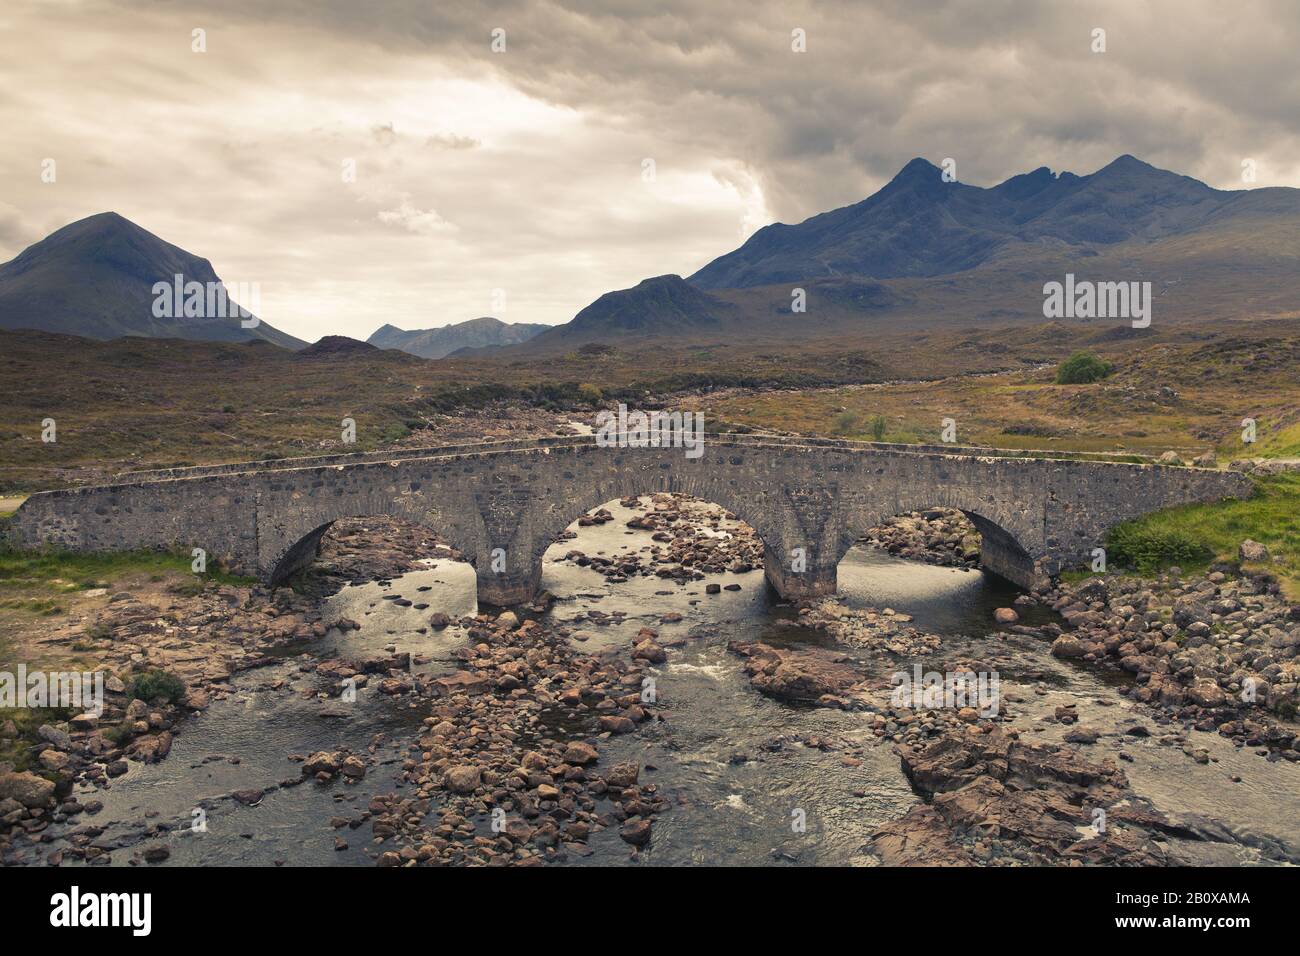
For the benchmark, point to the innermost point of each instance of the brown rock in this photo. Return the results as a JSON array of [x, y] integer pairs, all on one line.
[[27, 788], [636, 832], [580, 754], [463, 779]]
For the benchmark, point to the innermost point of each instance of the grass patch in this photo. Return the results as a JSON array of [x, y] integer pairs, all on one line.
[[1194, 536], [62, 572]]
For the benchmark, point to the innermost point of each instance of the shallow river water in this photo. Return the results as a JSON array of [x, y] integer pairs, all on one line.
[[732, 763]]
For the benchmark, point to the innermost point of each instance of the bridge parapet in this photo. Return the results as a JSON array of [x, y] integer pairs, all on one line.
[[503, 503]]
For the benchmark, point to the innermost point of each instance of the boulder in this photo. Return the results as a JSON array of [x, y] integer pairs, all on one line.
[[463, 779], [323, 761], [1252, 551], [1068, 646], [580, 754], [636, 832], [1206, 693], [27, 788]]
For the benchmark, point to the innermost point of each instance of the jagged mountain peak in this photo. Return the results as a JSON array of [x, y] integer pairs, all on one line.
[[919, 225]]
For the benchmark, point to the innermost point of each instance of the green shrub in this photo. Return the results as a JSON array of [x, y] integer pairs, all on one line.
[[1082, 368], [155, 684], [99, 632], [878, 428], [1149, 549]]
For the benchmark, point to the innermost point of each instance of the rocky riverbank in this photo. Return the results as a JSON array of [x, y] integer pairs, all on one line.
[[994, 800], [168, 651], [1216, 652]]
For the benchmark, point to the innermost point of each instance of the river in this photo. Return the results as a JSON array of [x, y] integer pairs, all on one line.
[[740, 770]]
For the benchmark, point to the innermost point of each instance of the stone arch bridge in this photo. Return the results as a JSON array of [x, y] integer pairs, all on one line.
[[1036, 515]]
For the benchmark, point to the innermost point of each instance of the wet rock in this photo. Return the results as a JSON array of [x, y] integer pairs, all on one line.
[[797, 674], [461, 682], [623, 775], [323, 761], [921, 837], [1068, 646], [648, 650], [1027, 803], [150, 748], [635, 832]]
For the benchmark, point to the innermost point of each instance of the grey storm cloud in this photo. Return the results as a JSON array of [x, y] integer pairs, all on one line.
[[481, 170]]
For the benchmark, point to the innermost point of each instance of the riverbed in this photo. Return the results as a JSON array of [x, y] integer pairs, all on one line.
[[748, 779]]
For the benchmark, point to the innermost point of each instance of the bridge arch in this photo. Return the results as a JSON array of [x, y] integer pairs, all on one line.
[[295, 544], [620, 486], [552, 517], [1010, 535]]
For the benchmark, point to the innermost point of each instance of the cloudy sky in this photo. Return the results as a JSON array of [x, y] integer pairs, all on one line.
[[525, 169]]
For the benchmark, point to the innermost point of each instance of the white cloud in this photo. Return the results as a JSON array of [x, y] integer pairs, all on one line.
[[423, 222]]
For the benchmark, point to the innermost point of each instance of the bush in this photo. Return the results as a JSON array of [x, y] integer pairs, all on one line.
[[1148, 549], [156, 684], [1082, 368], [878, 428]]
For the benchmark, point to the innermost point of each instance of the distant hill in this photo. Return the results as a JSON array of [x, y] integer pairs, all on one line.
[[664, 305], [95, 278], [478, 333], [337, 345]]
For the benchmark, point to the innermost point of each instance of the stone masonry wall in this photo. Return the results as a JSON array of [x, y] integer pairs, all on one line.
[[503, 504]]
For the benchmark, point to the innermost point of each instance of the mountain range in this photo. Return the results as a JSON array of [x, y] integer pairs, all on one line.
[[921, 252], [928, 252], [484, 332], [921, 225]]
